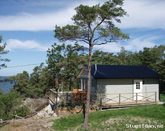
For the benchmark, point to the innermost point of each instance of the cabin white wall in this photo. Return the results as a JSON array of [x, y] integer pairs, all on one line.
[[111, 88], [150, 86]]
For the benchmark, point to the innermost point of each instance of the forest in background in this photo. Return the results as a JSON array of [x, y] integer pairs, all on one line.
[[64, 63]]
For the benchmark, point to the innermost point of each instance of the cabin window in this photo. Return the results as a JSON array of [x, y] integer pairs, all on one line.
[[137, 85]]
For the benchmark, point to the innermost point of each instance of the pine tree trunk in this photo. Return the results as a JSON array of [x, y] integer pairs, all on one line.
[[87, 106]]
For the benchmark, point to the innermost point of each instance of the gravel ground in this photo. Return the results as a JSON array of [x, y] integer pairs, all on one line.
[[29, 124]]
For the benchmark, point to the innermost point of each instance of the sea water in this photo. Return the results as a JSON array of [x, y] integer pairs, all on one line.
[[6, 84]]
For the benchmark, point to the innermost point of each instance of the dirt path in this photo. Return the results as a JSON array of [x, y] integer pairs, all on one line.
[[30, 124]]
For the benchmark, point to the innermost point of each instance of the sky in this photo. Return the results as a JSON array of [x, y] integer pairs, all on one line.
[[27, 28]]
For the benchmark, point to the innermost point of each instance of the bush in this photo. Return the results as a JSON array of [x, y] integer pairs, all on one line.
[[10, 104], [22, 111]]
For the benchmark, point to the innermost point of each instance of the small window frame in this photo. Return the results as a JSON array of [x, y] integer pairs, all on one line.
[[137, 85]]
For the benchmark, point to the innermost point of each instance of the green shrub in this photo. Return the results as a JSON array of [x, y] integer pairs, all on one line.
[[22, 111], [9, 104]]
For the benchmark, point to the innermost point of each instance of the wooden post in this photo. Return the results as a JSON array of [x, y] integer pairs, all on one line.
[[81, 84], [155, 97], [67, 99], [119, 98], [71, 99], [136, 97], [100, 103], [57, 89], [51, 96]]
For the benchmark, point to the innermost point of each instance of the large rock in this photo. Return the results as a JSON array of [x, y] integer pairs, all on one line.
[[35, 104], [46, 112]]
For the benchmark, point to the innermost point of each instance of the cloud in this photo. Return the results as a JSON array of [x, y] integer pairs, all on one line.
[[41, 21], [144, 14], [35, 22], [138, 44], [28, 44], [110, 47], [135, 44]]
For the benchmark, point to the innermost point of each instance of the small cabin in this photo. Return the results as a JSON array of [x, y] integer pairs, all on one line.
[[122, 84]]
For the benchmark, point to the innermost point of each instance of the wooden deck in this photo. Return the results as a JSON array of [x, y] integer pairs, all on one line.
[[127, 100], [126, 104], [106, 100]]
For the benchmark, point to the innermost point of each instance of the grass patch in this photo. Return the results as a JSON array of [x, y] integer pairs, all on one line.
[[162, 97], [149, 113], [122, 123], [69, 122]]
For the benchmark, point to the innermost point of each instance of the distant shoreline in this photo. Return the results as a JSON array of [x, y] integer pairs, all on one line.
[[6, 84]]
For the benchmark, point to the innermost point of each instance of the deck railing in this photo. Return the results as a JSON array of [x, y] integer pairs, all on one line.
[[100, 99], [127, 98], [67, 98]]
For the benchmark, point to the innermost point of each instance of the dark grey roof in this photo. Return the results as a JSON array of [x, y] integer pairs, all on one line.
[[122, 71]]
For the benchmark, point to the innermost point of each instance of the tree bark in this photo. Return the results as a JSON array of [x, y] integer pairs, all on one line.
[[87, 106]]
